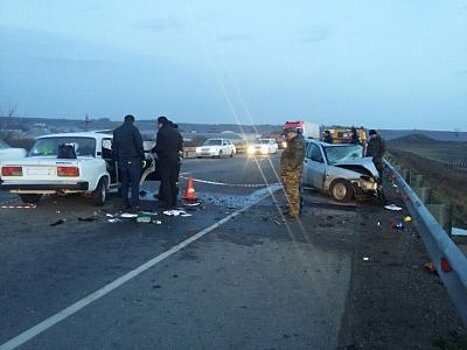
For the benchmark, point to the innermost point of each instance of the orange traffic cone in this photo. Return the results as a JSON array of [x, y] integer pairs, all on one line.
[[190, 194]]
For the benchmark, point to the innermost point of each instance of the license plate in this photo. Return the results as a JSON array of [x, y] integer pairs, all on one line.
[[41, 171]]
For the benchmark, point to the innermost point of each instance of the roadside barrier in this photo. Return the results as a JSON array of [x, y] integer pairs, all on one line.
[[449, 261]]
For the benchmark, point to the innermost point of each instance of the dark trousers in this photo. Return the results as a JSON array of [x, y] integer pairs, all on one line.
[[169, 173], [130, 172], [161, 192]]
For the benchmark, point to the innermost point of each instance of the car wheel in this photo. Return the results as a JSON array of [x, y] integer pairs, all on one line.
[[100, 194], [30, 198], [341, 191]]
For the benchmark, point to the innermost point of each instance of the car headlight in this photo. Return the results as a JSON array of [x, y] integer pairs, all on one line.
[[198, 149], [251, 150]]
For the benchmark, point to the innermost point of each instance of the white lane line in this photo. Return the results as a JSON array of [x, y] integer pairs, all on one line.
[[74, 308]]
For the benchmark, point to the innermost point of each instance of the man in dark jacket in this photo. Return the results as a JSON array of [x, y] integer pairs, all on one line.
[[354, 138], [167, 149], [127, 149], [291, 167], [376, 149], [327, 137]]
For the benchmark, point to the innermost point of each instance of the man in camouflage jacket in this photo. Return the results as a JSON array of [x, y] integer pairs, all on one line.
[[291, 167]]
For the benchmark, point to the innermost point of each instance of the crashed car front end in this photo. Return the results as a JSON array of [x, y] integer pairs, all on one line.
[[361, 173]]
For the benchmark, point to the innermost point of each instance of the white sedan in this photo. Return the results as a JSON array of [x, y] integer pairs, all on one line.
[[67, 163], [10, 153], [263, 146], [216, 148]]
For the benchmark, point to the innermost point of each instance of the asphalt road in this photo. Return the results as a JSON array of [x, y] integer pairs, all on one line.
[[234, 275]]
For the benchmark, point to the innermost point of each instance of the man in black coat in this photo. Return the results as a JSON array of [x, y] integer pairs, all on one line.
[[167, 149], [376, 149], [128, 151]]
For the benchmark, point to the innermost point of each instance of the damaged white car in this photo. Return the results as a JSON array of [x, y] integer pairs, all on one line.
[[340, 170], [65, 164]]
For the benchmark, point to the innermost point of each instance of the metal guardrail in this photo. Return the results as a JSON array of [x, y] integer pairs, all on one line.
[[449, 261]]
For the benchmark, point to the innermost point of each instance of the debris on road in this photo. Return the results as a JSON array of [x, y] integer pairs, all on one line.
[[58, 222], [392, 207], [456, 231], [430, 267], [365, 258], [114, 220], [149, 213], [176, 212], [88, 219], [128, 215], [408, 219], [143, 219]]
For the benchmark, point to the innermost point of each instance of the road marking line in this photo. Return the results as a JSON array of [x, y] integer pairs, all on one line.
[[77, 306]]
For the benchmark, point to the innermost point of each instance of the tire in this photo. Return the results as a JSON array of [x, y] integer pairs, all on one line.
[[341, 191], [30, 198], [100, 194]]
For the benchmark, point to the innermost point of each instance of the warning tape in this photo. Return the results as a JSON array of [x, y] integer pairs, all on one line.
[[227, 184], [24, 206], [12, 204]]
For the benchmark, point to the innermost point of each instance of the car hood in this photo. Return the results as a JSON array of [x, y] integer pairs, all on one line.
[[355, 164]]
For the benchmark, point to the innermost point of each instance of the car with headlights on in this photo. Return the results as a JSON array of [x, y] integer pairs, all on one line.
[[65, 164], [263, 147], [340, 170], [216, 148]]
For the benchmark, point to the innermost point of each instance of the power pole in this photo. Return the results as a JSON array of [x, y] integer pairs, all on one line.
[[87, 121]]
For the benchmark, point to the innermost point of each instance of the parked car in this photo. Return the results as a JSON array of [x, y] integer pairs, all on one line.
[[10, 153], [263, 146], [340, 170], [216, 148], [88, 169]]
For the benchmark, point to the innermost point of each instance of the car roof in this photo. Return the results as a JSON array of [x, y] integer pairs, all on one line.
[[88, 134]]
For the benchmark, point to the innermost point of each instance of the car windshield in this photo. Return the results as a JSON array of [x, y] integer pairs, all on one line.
[[263, 142], [337, 154], [84, 146], [212, 143], [3, 144]]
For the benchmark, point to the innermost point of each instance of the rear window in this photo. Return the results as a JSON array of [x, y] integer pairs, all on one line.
[[84, 146], [212, 143]]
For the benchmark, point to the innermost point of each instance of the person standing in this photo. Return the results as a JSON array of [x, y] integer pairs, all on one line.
[[180, 155], [327, 137], [167, 150], [354, 139], [128, 151], [291, 167], [376, 149]]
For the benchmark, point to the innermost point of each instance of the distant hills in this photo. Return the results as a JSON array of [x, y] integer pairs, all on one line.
[[431, 134], [39, 126]]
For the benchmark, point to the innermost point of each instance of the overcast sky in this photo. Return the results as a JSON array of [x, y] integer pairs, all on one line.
[[384, 64]]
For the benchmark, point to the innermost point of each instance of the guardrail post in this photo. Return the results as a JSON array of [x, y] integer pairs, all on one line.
[[406, 175], [425, 194], [417, 180], [443, 214]]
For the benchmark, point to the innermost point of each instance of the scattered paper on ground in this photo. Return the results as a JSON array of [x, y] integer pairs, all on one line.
[[392, 207]]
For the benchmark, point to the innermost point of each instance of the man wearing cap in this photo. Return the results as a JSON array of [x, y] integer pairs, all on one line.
[[128, 151], [167, 149], [376, 149], [291, 167]]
